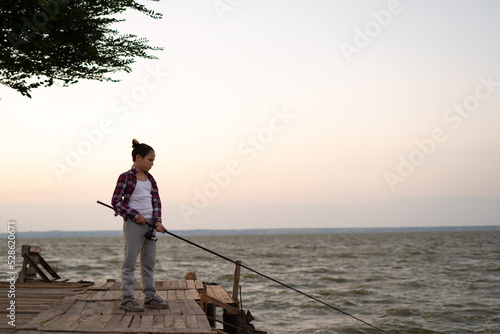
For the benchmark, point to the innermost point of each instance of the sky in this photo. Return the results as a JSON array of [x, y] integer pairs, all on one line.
[[274, 114]]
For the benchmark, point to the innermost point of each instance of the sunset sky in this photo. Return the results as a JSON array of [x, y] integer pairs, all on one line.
[[274, 114]]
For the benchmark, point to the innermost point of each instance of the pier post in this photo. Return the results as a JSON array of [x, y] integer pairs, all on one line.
[[236, 283]]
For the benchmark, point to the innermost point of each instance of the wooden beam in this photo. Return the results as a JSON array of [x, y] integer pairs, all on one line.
[[236, 281], [38, 270], [48, 268], [31, 255], [205, 299]]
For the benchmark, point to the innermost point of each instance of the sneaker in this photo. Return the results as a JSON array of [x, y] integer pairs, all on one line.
[[155, 302], [131, 304]]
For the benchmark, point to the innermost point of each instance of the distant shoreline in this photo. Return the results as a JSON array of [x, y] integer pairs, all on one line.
[[116, 233]]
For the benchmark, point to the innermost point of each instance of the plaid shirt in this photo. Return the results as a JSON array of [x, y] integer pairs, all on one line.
[[125, 187]]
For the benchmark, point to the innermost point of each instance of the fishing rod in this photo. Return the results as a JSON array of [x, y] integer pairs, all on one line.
[[267, 277]]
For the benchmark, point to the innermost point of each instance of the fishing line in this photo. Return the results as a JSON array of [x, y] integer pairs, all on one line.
[[267, 277]]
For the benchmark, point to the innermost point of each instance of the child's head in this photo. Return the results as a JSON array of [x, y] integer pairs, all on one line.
[[140, 149], [143, 156]]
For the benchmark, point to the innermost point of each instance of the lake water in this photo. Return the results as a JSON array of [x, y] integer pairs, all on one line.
[[436, 282]]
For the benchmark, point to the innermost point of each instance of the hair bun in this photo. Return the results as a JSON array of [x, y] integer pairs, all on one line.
[[140, 149]]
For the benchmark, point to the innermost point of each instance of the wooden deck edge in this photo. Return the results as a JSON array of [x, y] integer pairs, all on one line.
[[76, 330]]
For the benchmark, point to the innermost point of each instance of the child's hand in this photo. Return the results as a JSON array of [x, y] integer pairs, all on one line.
[[160, 228], [141, 220]]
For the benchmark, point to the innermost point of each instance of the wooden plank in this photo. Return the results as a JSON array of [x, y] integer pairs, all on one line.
[[192, 294], [37, 269], [99, 306], [108, 307], [74, 280], [236, 280], [230, 309], [61, 320], [89, 326], [218, 292], [117, 294], [34, 249], [158, 321], [146, 321], [203, 322], [53, 284], [153, 311], [81, 296], [180, 294], [214, 292], [55, 311], [180, 321], [136, 321], [171, 295], [163, 288], [199, 285], [174, 306], [195, 307], [77, 307], [191, 321], [80, 322], [114, 321], [91, 323], [21, 319], [109, 295], [90, 295], [116, 307], [129, 330], [168, 321], [61, 280], [49, 268], [99, 286], [89, 308], [224, 295], [99, 294], [103, 321], [211, 291], [185, 308], [116, 286], [125, 321]]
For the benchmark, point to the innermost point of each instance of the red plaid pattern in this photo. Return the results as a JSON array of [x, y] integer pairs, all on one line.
[[125, 187]]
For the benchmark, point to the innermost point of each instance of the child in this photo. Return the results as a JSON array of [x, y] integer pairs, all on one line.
[[137, 200]]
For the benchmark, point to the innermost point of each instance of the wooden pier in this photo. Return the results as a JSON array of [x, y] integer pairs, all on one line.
[[97, 310], [82, 307], [58, 306]]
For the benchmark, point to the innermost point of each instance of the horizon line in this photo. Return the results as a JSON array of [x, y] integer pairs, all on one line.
[[257, 231]]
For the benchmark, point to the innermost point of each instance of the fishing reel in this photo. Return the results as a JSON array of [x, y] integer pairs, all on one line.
[[150, 234]]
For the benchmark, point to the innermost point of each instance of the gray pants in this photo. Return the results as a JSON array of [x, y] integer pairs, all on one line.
[[136, 243]]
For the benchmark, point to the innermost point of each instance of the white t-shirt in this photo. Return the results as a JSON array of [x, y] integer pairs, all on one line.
[[140, 199]]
